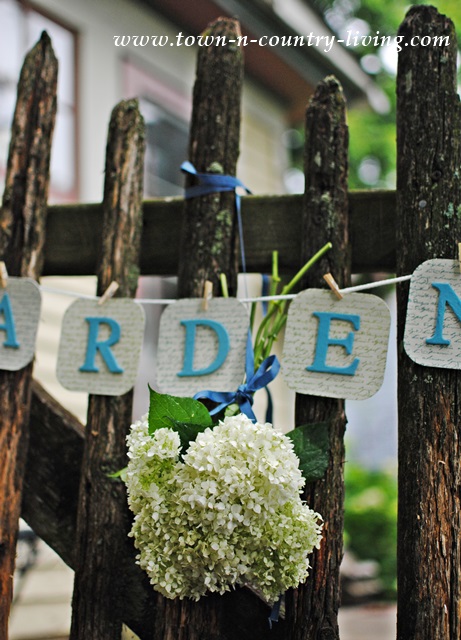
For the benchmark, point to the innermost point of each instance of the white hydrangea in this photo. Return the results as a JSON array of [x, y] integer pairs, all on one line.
[[230, 513]]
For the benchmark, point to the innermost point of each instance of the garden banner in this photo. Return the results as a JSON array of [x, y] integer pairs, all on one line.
[[334, 348]]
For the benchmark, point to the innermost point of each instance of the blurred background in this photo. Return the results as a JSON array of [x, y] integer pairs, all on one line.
[[94, 75]]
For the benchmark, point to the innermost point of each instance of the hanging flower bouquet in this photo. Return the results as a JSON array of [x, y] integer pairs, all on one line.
[[228, 512], [218, 504]]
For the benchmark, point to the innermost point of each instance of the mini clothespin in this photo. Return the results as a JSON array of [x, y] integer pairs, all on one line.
[[331, 282], [3, 275], [207, 294], [109, 292]]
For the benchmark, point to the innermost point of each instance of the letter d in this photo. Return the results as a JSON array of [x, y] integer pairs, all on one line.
[[223, 347]]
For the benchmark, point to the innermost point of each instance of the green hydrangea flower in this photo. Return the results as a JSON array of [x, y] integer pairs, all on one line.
[[229, 514]]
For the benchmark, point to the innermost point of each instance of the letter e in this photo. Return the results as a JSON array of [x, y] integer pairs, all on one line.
[[324, 341]]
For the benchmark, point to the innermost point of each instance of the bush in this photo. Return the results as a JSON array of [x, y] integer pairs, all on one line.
[[371, 521]]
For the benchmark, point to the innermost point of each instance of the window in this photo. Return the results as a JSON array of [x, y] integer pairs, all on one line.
[[166, 149], [20, 28], [166, 114]]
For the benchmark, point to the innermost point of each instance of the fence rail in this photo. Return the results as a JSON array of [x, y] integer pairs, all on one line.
[[73, 234]]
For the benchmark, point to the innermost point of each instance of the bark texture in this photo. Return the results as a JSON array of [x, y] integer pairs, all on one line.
[[428, 226], [312, 609], [103, 523], [22, 235], [209, 232], [208, 248]]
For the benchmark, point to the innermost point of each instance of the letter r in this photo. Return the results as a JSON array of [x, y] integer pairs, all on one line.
[[223, 347], [324, 341], [103, 346]]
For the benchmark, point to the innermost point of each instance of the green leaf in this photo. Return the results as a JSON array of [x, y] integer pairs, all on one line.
[[187, 432], [119, 474], [164, 410], [312, 446]]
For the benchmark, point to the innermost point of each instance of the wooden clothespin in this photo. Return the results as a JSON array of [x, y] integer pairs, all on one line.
[[207, 294], [3, 275], [109, 292], [331, 282]]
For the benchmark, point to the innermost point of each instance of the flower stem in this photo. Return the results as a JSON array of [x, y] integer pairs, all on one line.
[[276, 317]]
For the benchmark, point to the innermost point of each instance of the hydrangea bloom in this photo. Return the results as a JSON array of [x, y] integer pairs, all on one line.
[[229, 513]]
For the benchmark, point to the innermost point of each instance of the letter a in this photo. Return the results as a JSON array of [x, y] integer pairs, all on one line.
[[5, 308], [223, 347], [103, 346], [324, 341], [446, 296]]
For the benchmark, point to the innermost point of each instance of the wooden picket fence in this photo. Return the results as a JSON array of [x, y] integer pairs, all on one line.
[[66, 494]]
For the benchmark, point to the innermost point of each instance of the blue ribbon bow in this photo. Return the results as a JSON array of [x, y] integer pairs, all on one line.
[[214, 183], [266, 372]]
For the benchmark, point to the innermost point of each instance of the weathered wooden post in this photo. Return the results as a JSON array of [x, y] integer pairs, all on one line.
[[22, 236], [429, 226], [209, 234], [312, 609], [208, 247], [102, 520]]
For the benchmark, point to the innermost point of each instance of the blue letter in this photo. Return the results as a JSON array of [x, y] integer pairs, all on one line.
[[223, 347], [446, 296], [324, 341], [5, 308], [102, 346]]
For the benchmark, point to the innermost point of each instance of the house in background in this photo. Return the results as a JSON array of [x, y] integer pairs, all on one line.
[[95, 74]]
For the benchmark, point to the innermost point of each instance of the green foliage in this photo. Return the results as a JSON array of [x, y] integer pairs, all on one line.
[[371, 520], [166, 411], [189, 417], [372, 135], [312, 446]]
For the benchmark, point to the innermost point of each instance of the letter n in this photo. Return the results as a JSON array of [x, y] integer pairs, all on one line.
[[189, 350], [102, 346], [446, 296]]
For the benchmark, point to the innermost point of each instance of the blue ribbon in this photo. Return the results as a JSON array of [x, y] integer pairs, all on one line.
[[244, 394], [216, 183], [275, 612]]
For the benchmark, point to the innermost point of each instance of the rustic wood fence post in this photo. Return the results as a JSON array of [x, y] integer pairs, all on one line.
[[312, 609], [102, 520], [22, 235], [429, 226], [209, 234], [208, 247]]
